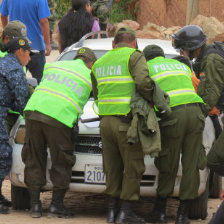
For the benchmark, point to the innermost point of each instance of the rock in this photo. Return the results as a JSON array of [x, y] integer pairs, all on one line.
[[210, 25], [171, 30]]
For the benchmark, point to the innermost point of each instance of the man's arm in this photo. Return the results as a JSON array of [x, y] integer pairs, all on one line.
[[94, 86], [212, 84], [18, 83], [44, 25], [4, 20], [140, 73]]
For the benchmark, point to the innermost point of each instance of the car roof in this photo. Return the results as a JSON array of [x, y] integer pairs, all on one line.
[[105, 44]]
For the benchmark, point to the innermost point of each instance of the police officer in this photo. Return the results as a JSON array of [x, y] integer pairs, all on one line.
[[181, 135], [210, 65], [13, 95], [51, 113], [114, 78], [13, 29]]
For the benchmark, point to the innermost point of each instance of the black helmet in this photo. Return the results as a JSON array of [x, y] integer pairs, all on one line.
[[189, 37]]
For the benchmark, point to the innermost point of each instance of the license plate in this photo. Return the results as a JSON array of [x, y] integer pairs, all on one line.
[[94, 174]]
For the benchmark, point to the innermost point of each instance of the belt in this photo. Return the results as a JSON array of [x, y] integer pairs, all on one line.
[[125, 118], [185, 105]]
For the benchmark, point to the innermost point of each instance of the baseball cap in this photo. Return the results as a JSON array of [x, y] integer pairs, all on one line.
[[152, 50], [17, 43], [16, 29], [86, 53], [125, 29]]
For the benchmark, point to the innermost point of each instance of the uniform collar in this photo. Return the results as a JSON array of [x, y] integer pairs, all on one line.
[[122, 45]]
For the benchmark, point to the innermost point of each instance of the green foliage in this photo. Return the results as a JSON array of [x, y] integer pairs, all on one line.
[[119, 11], [62, 7]]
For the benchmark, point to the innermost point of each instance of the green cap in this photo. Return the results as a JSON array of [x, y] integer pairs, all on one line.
[[86, 53], [153, 50], [125, 29], [16, 29]]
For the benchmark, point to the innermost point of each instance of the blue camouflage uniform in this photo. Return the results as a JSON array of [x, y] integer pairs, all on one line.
[[13, 95]]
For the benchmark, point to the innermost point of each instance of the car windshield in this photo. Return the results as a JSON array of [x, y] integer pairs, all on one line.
[[71, 54], [99, 53]]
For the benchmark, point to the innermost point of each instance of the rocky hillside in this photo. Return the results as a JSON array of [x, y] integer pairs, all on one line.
[[169, 13]]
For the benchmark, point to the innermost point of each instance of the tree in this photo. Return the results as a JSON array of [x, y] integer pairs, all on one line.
[[192, 10]]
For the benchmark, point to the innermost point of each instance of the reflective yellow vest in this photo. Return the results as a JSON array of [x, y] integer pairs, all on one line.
[[63, 91], [174, 78], [114, 82]]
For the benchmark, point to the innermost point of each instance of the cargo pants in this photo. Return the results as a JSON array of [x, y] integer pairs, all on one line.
[[5, 147], [39, 136], [123, 163], [216, 156], [181, 135]]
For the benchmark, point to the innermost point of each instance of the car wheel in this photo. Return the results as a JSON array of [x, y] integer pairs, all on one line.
[[199, 205], [20, 198], [215, 186]]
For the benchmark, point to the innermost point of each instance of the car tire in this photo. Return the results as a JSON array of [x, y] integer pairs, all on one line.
[[20, 198], [199, 205], [215, 187]]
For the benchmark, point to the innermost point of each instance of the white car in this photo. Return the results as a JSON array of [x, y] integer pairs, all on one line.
[[87, 173]]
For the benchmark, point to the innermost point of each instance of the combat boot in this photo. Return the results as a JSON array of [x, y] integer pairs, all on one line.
[[35, 204], [127, 216], [5, 201], [112, 209], [57, 208], [158, 215], [182, 212]]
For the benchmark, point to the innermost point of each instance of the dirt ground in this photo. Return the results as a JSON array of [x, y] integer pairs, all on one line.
[[89, 209]]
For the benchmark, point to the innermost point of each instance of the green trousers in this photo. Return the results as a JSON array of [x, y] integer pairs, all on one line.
[[123, 163], [216, 156], [39, 136], [181, 135]]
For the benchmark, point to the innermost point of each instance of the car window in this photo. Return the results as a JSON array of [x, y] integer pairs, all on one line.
[[71, 54]]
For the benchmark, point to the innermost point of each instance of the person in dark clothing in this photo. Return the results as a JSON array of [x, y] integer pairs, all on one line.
[[13, 95], [76, 23]]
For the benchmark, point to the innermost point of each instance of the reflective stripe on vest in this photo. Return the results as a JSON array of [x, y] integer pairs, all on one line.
[[63, 91], [114, 82], [174, 78], [71, 72], [50, 91]]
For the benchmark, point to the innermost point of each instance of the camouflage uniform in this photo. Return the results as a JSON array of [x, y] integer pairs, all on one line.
[[13, 95], [101, 11]]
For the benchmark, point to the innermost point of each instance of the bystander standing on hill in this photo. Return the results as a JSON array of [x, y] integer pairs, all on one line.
[[76, 23]]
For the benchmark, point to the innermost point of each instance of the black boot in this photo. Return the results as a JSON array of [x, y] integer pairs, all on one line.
[[158, 215], [36, 208], [112, 209], [127, 216], [182, 213], [5, 201], [57, 208]]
